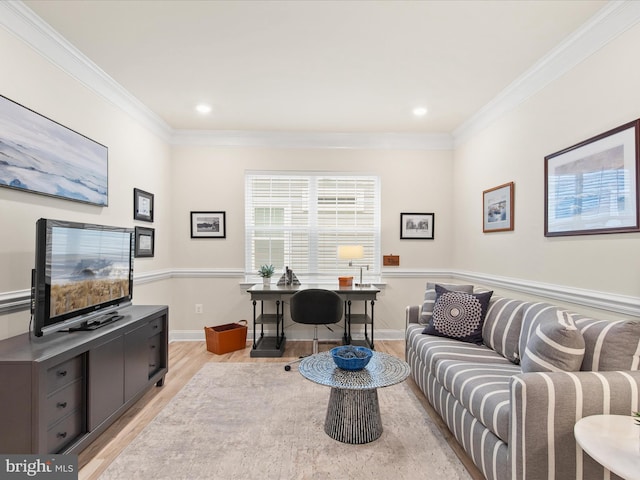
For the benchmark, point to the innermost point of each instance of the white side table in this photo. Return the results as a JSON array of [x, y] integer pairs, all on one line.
[[613, 441]]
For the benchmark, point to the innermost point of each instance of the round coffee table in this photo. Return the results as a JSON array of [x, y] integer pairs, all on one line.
[[353, 413], [612, 441]]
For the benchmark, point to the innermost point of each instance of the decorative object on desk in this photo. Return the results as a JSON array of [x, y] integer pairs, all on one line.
[[208, 225], [592, 187], [266, 271], [345, 281], [142, 205], [417, 226], [145, 242], [351, 252], [226, 338], [497, 208], [42, 156], [636, 417], [288, 278], [350, 357]]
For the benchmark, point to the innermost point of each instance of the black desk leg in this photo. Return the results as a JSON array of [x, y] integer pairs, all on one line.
[[278, 316], [254, 325], [371, 343]]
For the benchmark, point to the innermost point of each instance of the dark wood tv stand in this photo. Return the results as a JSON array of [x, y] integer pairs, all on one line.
[[62, 390]]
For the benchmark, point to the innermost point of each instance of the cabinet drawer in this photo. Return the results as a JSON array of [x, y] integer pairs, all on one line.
[[154, 327], [155, 354], [63, 374], [64, 401], [64, 432]]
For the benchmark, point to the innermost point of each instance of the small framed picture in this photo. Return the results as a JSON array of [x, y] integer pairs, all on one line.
[[208, 225], [145, 242], [142, 205], [497, 208], [416, 226]]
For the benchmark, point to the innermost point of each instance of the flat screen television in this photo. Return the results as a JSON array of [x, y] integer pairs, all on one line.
[[83, 274]]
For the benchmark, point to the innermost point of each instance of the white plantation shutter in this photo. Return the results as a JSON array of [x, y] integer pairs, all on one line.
[[297, 220]]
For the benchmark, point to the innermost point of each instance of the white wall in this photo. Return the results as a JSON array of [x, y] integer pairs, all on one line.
[[597, 95], [209, 178], [136, 159]]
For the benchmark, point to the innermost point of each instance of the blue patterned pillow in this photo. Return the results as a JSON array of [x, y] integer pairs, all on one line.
[[458, 315]]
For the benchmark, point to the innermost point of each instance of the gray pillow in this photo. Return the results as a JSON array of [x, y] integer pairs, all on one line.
[[430, 298], [554, 346]]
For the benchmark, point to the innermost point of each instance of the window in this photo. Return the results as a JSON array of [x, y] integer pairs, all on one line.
[[299, 219]]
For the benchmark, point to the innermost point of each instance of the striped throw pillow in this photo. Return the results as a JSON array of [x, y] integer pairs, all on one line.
[[430, 298], [554, 346]]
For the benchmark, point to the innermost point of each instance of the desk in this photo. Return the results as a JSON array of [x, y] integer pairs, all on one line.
[[612, 441], [273, 345]]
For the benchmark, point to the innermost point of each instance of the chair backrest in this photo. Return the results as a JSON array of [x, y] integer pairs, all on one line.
[[316, 306]]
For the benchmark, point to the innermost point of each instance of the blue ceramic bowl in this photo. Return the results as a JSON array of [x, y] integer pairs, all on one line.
[[350, 357]]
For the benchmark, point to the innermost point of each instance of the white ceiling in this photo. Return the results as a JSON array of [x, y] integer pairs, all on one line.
[[315, 66]]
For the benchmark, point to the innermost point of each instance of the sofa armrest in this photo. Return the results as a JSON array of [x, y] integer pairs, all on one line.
[[545, 406], [412, 314]]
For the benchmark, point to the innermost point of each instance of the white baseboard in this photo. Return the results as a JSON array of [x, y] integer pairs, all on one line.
[[198, 335]]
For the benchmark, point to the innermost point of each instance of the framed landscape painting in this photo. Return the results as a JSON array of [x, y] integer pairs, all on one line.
[[208, 225], [592, 187], [42, 156]]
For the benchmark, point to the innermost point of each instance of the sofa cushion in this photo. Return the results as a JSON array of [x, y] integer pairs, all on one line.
[[483, 389], [431, 349], [610, 345], [554, 346], [502, 325], [430, 298], [458, 315]]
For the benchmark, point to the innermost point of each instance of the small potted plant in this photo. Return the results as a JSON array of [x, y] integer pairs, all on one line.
[[266, 271]]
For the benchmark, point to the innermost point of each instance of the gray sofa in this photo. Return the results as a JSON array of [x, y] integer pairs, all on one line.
[[516, 425]]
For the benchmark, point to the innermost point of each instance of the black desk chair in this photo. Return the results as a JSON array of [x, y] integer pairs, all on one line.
[[315, 306]]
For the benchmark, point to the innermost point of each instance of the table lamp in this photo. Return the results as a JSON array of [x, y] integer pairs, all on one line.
[[351, 252]]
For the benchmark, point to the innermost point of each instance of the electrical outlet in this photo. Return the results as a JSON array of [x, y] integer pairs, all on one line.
[[198, 308]]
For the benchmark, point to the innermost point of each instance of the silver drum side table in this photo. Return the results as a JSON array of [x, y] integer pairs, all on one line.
[[353, 413]]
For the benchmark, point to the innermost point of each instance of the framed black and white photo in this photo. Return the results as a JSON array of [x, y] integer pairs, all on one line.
[[145, 242], [208, 225], [142, 205], [42, 156], [592, 187], [416, 226], [497, 208]]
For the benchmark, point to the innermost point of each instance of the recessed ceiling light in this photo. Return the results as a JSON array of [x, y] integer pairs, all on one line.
[[203, 109], [420, 111]]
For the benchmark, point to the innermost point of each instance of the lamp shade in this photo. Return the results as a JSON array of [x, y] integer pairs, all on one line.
[[349, 252]]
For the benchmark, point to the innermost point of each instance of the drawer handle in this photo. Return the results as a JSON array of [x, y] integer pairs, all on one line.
[[152, 347], [155, 327], [152, 365], [62, 404], [62, 373], [62, 435]]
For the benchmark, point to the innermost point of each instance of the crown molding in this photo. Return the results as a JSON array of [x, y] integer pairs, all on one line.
[[379, 141], [608, 23], [612, 20], [22, 22]]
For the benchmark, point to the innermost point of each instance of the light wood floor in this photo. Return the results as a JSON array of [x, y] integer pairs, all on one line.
[[185, 359]]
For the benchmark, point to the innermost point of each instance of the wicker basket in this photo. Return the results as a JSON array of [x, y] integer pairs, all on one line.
[[226, 338]]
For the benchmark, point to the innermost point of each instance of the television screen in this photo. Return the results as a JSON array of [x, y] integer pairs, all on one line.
[[80, 269]]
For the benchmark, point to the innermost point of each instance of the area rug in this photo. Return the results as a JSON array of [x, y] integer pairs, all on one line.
[[246, 421]]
